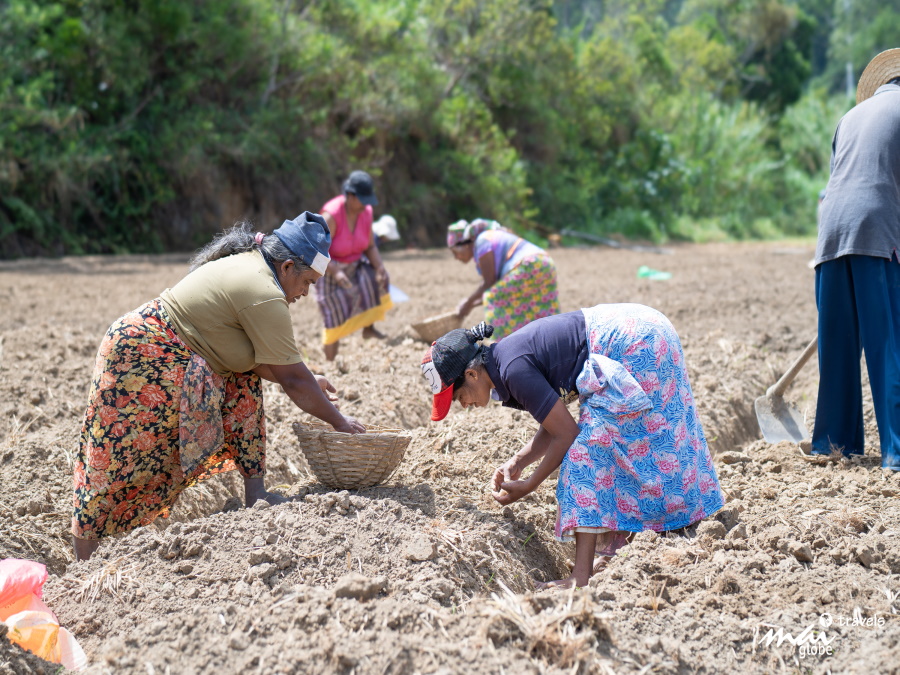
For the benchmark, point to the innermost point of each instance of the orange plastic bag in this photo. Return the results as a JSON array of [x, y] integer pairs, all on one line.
[[31, 624]]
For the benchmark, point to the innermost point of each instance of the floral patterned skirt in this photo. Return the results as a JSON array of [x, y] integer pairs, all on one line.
[[640, 461], [158, 420], [526, 293]]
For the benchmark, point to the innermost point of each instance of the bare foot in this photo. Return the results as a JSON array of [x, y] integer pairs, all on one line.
[[370, 332], [84, 548], [600, 563], [330, 351], [275, 499], [557, 584], [254, 490]]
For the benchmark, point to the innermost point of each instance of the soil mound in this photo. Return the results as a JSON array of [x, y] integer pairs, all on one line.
[[428, 573]]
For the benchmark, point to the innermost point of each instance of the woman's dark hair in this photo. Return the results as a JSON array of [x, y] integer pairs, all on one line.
[[242, 238], [475, 363], [476, 334]]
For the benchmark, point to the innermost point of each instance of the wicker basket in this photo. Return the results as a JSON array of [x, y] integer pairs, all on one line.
[[433, 327], [351, 461]]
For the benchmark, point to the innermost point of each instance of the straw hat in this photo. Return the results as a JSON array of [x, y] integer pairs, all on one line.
[[881, 70]]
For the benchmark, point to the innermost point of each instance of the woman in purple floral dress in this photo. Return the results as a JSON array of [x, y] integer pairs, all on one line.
[[635, 460]]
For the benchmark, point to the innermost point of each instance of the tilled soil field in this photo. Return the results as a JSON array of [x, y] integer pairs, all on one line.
[[427, 574]]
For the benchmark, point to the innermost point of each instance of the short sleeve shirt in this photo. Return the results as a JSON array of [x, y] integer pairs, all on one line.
[[508, 250], [233, 313], [860, 214], [538, 364], [347, 246]]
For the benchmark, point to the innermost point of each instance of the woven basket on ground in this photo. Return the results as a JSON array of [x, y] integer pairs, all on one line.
[[351, 461], [433, 327]]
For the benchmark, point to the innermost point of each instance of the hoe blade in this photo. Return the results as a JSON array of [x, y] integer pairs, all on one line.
[[780, 420]]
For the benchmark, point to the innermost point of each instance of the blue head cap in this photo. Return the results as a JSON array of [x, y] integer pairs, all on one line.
[[307, 236]]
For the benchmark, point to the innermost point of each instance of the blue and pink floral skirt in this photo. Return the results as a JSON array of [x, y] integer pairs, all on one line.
[[640, 461]]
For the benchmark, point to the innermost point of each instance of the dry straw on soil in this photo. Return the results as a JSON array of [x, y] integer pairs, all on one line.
[[564, 634], [111, 578]]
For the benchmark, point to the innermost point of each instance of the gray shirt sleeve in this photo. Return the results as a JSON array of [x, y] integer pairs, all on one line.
[[860, 214]]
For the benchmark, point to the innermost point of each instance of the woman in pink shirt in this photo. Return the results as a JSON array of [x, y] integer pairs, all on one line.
[[353, 294]]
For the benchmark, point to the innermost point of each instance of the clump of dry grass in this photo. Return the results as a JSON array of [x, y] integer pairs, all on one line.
[[476, 553], [18, 429], [31, 534], [204, 499], [656, 595], [893, 598], [111, 578], [562, 634], [672, 556], [836, 455], [856, 520]]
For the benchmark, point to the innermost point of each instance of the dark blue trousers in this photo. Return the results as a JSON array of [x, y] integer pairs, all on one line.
[[858, 298]]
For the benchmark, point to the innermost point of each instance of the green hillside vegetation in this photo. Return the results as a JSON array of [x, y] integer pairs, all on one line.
[[143, 126]]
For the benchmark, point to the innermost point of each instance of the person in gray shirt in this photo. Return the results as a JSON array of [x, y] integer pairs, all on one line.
[[858, 270]]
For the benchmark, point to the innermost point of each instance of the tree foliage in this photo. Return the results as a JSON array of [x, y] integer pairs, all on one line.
[[131, 125]]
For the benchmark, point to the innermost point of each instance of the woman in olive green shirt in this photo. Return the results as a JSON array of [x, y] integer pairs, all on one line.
[[176, 395]]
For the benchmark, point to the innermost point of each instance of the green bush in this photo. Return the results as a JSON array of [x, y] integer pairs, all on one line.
[[146, 126]]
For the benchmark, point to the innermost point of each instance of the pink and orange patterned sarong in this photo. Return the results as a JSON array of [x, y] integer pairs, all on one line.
[[158, 421]]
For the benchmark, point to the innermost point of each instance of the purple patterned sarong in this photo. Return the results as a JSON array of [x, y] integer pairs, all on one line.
[[347, 310]]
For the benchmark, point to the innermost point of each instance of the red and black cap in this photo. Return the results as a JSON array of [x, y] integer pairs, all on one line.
[[445, 362]]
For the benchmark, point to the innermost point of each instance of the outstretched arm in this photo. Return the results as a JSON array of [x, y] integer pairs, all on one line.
[[550, 444], [374, 256], [309, 393], [263, 370], [488, 279]]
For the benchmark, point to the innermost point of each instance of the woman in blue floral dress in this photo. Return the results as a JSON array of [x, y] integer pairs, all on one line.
[[636, 459]]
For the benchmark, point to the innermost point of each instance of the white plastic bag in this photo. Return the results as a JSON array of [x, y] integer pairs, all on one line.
[[397, 296]]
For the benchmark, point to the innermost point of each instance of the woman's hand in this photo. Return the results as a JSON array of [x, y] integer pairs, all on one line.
[[505, 473], [512, 491], [310, 393], [327, 389], [342, 280], [350, 426], [553, 439], [381, 276], [463, 309], [506, 486]]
